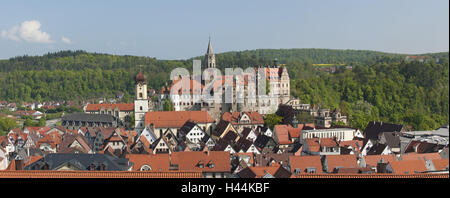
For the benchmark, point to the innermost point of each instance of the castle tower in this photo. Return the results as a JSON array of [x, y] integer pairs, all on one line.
[[210, 58], [285, 86], [141, 102]]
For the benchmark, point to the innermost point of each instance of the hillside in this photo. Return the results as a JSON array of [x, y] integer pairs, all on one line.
[[381, 86]]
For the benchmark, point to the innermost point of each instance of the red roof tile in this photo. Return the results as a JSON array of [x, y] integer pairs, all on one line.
[[441, 164], [345, 161], [121, 107], [158, 162], [99, 174], [176, 119], [420, 156], [303, 162], [194, 160], [408, 166], [372, 160], [234, 117]]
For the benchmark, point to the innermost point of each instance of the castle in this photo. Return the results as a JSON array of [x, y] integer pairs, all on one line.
[[278, 91]]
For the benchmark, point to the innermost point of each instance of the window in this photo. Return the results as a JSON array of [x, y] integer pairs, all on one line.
[[140, 95], [140, 108], [146, 167]]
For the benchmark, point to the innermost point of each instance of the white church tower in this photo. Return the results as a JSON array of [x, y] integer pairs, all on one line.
[[141, 102], [210, 57]]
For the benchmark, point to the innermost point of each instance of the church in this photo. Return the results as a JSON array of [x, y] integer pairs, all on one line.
[[276, 76]]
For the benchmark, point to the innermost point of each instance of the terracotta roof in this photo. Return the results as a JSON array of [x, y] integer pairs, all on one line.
[[355, 170], [212, 161], [99, 174], [234, 117], [121, 107], [260, 171], [420, 156], [282, 134], [440, 164], [343, 161], [356, 144], [53, 138], [408, 166], [328, 142], [303, 162], [176, 119], [179, 87], [372, 160], [157, 162], [30, 129]]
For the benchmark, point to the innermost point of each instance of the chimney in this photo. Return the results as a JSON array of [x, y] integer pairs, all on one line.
[[19, 164]]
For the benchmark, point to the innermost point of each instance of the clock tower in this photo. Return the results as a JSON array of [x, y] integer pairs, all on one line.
[[141, 102]]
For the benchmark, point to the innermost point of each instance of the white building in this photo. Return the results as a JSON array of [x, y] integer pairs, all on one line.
[[341, 134], [141, 102]]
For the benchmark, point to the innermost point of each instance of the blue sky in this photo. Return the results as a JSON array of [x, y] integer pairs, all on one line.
[[176, 29]]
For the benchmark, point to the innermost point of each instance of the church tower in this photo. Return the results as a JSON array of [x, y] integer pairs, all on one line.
[[285, 85], [141, 102], [210, 58]]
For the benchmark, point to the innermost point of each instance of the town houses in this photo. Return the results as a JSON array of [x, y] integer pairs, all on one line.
[[219, 140]]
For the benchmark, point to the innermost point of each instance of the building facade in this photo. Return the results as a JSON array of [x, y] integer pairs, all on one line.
[[187, 100], [141, 104]]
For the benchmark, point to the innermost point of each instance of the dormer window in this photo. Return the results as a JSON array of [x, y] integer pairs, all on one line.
[[311, 170], [200, 164]]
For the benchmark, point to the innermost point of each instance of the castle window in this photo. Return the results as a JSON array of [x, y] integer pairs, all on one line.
[[140, 95]]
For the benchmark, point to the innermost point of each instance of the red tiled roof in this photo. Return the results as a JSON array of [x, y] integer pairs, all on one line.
[[176, 119], [313, 144], [440, 164], [260, 171], [303, 162], [328, 142], [157, 162], [345, 161], [404, 176], [121, 107], [53, 138], [190, 160], [234, 117], [420, 156], [99, 174], [408, 166], [282, 134], [372, 160], [351, 143]]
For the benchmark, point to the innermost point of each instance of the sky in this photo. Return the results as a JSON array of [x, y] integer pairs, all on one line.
[[179, 29]]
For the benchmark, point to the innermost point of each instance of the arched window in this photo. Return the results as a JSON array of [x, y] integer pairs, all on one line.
[[146, 167]]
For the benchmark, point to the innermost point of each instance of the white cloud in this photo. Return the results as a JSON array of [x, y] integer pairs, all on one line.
[[66, 40], [11, 33], [29, 31]]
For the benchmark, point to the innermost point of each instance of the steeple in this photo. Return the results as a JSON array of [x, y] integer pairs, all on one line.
[[210, 58], [209, 50]]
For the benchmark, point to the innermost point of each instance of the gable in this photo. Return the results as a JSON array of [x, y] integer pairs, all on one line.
[[76, 144]]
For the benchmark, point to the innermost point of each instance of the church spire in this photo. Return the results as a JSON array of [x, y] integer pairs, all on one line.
[[209, 50], [210, 58]]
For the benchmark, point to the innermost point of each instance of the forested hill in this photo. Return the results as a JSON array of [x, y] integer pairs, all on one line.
[[380, 86], [313, 56]]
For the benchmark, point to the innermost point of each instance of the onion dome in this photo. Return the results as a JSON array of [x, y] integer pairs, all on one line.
[[140, 77]]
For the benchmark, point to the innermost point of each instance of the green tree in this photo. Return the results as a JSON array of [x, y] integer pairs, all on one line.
[[271, 120], [6, 124], [167, 106]]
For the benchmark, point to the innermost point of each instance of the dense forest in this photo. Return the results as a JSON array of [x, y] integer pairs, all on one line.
[[380, 86]]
